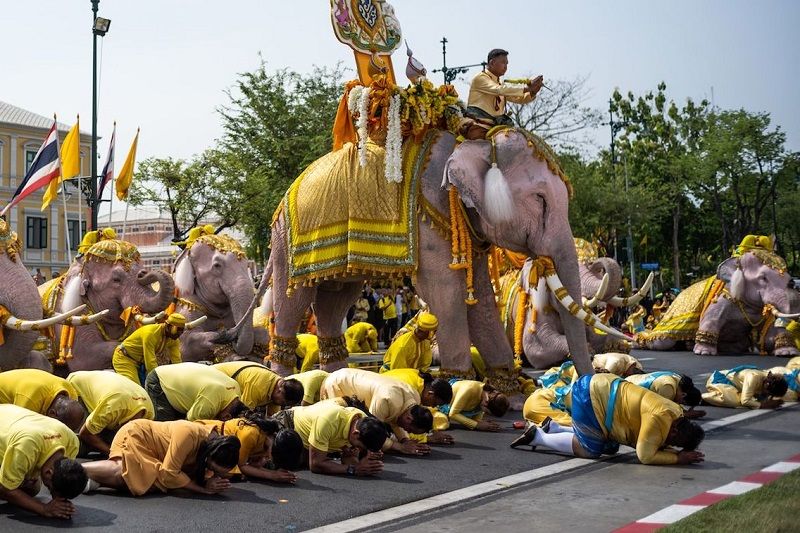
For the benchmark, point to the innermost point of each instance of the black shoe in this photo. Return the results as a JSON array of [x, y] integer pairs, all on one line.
[[545, 425], [525, 438]]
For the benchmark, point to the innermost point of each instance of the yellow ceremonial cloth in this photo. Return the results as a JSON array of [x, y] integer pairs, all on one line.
[[110, 398], [642, 418], [312, 382], [361, 337], [254, 442], [347, 219], [408, 351], [664, 386], [325, 425], [27, 441], [615, 363], [255, 381], [198, 390], [33, 389], [489, 94], [682, 319], [154, 454], [745, 386]]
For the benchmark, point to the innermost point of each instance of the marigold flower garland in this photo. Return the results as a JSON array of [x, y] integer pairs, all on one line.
[[519, 325], [461, 244]]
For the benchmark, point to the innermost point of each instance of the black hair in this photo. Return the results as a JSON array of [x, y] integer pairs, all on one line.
[[238, 408], [692, 394], [421, 418], [373, 433], [442, 389], [691, 434], [496, 52], [293, 391], [499, 404], [776, 385], [222, 450], [270, 426], [69, 478], [287, 449], [427, 377]]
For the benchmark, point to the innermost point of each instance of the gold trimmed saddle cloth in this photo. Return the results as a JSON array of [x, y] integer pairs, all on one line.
[[682, 319]]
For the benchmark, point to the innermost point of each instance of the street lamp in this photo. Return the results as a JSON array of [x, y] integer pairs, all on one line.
[[100, 27]]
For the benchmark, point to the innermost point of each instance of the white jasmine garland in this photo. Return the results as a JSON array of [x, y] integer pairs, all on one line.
[[353, 97], [394, 142], [363, 110]]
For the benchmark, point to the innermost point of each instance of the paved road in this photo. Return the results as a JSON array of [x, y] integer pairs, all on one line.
[[477, 457]]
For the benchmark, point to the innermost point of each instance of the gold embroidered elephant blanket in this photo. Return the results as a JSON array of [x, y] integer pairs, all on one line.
[[344, 219]]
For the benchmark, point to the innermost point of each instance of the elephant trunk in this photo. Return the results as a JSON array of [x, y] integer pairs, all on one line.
[[241, 297], [152, 300], [614, 272]]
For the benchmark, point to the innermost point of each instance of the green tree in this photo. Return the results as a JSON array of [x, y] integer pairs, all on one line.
[[275, 124]]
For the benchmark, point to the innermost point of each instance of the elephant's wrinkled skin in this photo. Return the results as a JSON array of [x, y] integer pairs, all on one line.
[[113, 286], [217, 282], [538, 226]]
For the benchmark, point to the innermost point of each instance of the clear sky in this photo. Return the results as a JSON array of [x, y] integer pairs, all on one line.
[[167, 63]]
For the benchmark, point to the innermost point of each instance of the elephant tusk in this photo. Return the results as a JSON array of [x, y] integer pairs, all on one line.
[[27, 325], [591, 320], [85, 319], [599, 294], [616, 301], [145, 320], [196, 322], [778, 314]]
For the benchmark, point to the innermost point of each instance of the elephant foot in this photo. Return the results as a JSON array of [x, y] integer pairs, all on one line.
[[333, 366], [788, 351], [516, 401], [281, 370], [704, 349]]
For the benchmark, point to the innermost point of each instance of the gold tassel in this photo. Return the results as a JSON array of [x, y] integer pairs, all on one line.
[[519, 325]]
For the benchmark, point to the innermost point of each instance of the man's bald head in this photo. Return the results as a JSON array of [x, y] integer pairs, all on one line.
[[70, 412]]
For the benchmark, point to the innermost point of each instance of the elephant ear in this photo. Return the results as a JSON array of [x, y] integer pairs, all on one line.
[[473, 170], [730, 271], [184, 274]]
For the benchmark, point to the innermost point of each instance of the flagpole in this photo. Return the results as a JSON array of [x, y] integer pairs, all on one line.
[[63, 196], [125, 220], [110, 201], [80, 206]]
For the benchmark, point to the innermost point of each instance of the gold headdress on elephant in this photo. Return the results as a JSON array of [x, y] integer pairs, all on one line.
[[587, 251], [95, 236], [221, 243], [9, 241], [113, 251], [761, 246]]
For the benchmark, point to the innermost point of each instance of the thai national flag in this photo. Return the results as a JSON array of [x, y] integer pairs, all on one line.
[[108, 169], [44, 168]]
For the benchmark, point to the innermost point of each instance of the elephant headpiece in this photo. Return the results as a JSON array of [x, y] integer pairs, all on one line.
[[9, 241]]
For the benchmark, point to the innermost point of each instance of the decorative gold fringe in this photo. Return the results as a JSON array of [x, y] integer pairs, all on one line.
[[519, 325], [332, 349], [284, 350], [449, 373], [503, 379]]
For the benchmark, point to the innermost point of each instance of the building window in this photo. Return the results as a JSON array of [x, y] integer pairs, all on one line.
[[75, 236], [151, 228], [2, 148], [30, 155], [36, 233]]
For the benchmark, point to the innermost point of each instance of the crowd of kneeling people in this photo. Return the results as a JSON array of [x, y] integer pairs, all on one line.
[[196, 427]]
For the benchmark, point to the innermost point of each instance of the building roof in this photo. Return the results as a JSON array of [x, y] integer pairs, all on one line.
[[16, 116]]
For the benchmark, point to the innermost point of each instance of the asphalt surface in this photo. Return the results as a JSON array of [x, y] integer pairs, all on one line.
[[476, 457]]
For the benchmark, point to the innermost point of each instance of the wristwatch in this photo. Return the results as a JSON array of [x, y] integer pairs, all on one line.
[[351, 470]]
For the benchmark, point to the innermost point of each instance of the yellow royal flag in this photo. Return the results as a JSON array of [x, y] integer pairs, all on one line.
[[70, 163], [125, 176]]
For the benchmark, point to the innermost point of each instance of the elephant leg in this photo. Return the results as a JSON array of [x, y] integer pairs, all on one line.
[[289, 306], [36, 359], [331, 307], [711, 323], [444, 290]]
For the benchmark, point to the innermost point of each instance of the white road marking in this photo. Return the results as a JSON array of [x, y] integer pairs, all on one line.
[[671, 514], [783, 467], [735, 488], [405, 511]]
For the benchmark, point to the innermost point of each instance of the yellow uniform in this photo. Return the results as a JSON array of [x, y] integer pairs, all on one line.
[[615, 363], [361, 337], [33, 389], [408, 351], [489, 94], [255, 381], [312, 383], [737, 387], [409, 376], [664, 384], [198, 390], [254, 442], [386, 304], [27, 441], [110, 398], [793, 363], [386, 398], [465, 407], [538, 406], [148, 346], [325, 425], [308, 351], [792, 379]]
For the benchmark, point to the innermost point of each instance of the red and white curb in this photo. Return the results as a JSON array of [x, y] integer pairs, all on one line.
[[680, 510]]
